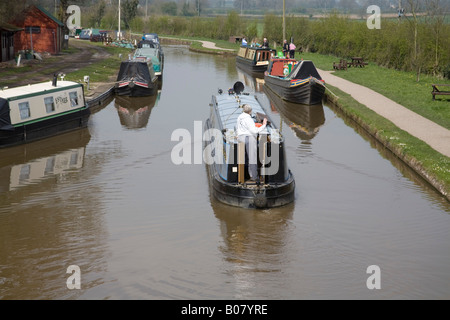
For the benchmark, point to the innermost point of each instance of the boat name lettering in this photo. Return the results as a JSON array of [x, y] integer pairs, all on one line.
[[61, 100]]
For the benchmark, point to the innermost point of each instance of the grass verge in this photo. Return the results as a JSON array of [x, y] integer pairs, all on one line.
[[104, 70]]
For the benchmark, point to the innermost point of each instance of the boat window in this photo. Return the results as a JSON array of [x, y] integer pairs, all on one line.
[[73, 99], [49, 104], [251, 54], [24, 108], [264, 56]]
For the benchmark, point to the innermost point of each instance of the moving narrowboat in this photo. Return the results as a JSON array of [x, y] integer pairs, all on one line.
[[37, 111], [136, 78], [225, 157], [295, 81], [254, 59]]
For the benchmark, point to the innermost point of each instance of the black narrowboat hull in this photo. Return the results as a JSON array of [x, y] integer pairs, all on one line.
[[251, 66], [45, 128], [307, 91], [251, 197], [134, 90]]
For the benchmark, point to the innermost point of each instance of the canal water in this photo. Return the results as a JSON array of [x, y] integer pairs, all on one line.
[[109, 200]]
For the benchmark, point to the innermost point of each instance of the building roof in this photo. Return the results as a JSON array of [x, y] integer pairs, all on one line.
[[9, 27], [21, 17], [50, 15]]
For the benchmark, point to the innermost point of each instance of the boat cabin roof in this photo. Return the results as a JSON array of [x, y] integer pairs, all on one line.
[[229, 107], [37, 89], [304, 69], [147, 52]]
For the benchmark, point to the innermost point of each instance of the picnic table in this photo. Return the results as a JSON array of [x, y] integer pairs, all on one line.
[[436, 90], [358, 62], [342, 65]]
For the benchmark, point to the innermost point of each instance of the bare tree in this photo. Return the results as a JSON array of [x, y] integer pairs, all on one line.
[[436, 13], [413, 6]]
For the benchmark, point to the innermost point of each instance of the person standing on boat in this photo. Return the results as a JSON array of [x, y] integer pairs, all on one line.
[[265, 43], [247, 133], [285, 48], [244, 42], [292, 48]]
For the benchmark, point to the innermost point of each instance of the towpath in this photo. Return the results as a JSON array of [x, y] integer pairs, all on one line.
[[431, 133]]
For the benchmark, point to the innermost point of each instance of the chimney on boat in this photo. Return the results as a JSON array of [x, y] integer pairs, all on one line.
[[55, 79]]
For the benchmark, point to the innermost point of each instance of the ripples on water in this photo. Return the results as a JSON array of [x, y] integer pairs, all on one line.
[[109, 199]]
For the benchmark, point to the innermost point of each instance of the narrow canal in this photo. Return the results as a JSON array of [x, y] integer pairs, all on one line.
[[109, 200]]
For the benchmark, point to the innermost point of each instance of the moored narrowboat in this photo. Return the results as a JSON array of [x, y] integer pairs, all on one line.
[[150, 52], [136, 78], [254, 59], [295, 81], [37, 111], [226, 160]]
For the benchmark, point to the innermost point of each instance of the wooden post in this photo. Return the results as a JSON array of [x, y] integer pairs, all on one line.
[[241, 162]]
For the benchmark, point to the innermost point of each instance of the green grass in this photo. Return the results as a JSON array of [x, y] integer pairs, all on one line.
[[101, 71]]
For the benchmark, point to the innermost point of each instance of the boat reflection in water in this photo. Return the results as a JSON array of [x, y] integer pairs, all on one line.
[[253, 81], [134, 112], [255, 246], [304, 120], [35, 162]]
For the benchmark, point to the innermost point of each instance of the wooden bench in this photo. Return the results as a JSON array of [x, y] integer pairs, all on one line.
[[436, 90], [358, 62], [342, 65]]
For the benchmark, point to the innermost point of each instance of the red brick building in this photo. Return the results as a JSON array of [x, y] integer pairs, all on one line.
[[42, 32]]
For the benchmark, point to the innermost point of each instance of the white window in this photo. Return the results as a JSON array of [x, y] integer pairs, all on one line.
[[24, 108], [73, 99], [49, 104]]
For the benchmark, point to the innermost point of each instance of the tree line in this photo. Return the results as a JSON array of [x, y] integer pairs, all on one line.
[[419, 43], [408, 44]]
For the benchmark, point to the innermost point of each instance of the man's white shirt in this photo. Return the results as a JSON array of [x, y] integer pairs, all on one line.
[[246, 126]]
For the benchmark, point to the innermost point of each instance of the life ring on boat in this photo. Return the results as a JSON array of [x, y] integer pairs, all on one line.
[[285, 70]]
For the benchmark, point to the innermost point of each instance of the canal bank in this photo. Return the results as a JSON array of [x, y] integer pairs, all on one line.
[[349, 107]]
